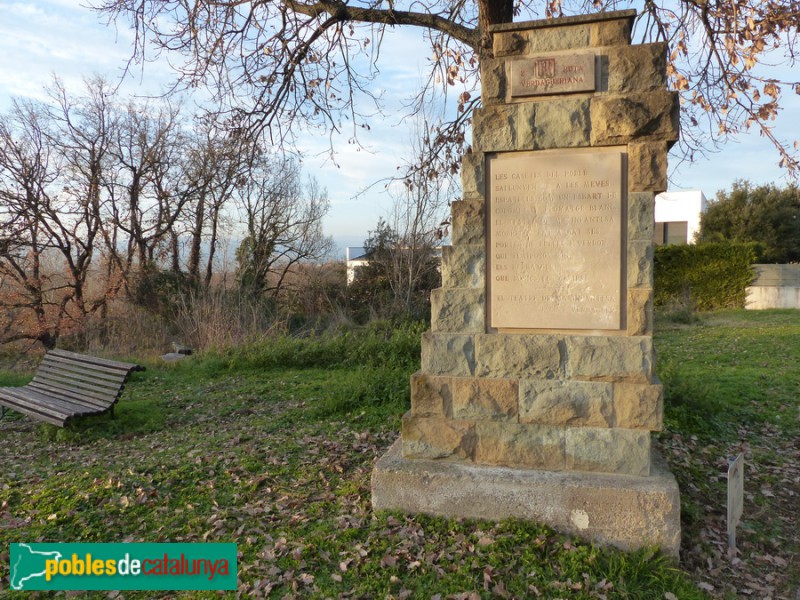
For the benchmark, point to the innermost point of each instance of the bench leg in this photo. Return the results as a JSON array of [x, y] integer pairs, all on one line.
[[3, 411]]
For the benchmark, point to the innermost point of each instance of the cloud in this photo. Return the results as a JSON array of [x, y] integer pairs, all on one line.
[[42, 38]]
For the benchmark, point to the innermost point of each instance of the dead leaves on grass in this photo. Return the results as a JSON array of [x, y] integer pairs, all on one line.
[[767, 564]]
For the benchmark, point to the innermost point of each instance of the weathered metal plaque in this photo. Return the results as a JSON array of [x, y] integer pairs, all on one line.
[[555, 240], [553, 74]]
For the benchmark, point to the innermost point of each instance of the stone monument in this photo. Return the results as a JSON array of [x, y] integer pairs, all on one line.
[[537, 396]]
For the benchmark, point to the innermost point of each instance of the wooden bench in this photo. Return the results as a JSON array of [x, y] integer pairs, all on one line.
[[68, 385]]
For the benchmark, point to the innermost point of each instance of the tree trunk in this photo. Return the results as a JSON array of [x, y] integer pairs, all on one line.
[[493, 12], [193, 267]]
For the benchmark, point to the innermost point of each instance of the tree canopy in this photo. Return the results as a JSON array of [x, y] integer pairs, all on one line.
[[273, 64], [765, 214]]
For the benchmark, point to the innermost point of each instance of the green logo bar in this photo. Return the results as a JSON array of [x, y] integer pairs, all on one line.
[[84, 566]]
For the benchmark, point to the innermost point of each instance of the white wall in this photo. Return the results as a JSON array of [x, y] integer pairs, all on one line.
[[356, 257], [682, 206]]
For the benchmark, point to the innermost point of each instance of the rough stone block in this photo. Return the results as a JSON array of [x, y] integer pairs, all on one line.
[[493, 81], [472, 174], [527, 116], [647, 166], [467, 222], [464, 266], [430, 396], [494, 128], [558, 38], [639, 406], [485, 398], [610, 33], [620, 451], [435, 437], [566, 37], [511, 43], [561, 123], [518, 356], [617, 510], [613, 358], [637, 68], [459, 310], [640, 263], [641, 216], [573, 403], [640, 311], [448, 354], [515, 445], [464, 397], [623, 119]]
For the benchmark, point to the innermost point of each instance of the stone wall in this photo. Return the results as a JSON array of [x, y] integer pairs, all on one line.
[[774, 286]]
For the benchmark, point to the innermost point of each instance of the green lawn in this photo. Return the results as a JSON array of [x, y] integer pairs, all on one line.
[[272, 447], [732, 385]]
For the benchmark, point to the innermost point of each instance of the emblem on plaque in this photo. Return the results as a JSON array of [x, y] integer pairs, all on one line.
[[544, 68]]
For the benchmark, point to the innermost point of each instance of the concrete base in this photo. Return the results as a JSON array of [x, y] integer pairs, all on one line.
[[624, 511]]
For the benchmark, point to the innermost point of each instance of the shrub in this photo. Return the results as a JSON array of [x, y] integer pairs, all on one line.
[[703, 276], [160, 291]]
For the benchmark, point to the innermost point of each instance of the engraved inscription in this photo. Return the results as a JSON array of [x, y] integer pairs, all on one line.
[[555, 240], [557, 74]]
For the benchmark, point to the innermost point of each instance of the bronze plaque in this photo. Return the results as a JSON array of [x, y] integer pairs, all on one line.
[[555, 240], [554, 74]]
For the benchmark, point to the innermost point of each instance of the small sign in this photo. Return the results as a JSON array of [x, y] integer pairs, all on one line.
[[735, 499], [555, 74]]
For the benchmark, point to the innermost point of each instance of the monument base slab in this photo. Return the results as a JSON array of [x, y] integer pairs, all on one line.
[[624, 511]]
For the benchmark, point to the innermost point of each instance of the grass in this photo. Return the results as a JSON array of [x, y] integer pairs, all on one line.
[[732, 367], [272, 448], [731, 382]]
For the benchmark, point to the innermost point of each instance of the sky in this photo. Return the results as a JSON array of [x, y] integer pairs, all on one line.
[[39, 38]]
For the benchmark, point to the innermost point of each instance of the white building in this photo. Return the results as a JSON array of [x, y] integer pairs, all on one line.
[[678, 216], [356, 257]]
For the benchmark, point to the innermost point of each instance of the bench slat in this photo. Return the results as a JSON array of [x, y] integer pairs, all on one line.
[[57, 391], [74, 386], [80, 371], [100, 368], [57, 406], [112, 364], [64, 380], [71, 401], [34, 407]]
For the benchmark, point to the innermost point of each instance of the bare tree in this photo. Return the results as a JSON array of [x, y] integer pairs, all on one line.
[[27, 170], [284, 223], [274, 63], [217, 165], [47, 221], [419, 214], [403, 250], [80, 131]]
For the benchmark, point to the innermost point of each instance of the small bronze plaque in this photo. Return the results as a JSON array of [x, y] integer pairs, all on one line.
[[554, 74]]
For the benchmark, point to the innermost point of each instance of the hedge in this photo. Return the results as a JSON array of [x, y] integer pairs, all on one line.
[[703, 276]]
